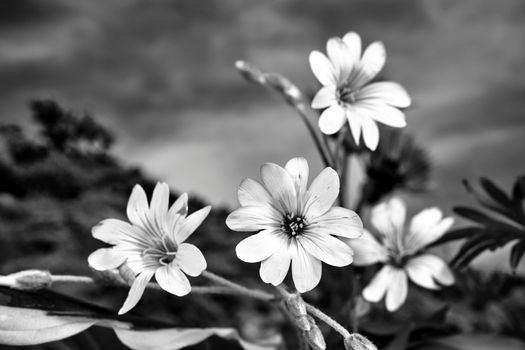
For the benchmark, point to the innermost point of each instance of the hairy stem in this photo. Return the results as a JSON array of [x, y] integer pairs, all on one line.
[[253, 293]]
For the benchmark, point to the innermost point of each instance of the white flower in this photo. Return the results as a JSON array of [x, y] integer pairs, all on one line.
[[295, 224], [153, 244], [346, 91], [400, 251]]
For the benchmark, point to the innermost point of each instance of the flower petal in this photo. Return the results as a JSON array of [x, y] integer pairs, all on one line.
[[389, 218], [332, 120], [172, 280], [370, 133], [252, 218], [397, 292], [371, 64], [252, 193], [260, 246], [354, 121], [111, 230], [425, 228], [158, 208], [326, 248], [353, 42], [298, 170], [341, 58], [338, 221], [325, 97], [136, 291], [137, 208], [180, 206], [322, 194], [306, 269], [381, 112], [190, 259], [367, 250], [425, 269], [322, 68], [388, 92], [105, 259], [190, 224], [280, 185], [377, 288], [274, 269]]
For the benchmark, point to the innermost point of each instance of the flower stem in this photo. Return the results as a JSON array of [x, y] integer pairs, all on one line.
[[318, 313], [328, 320], [325, 153], [71, 279], [256, 294]]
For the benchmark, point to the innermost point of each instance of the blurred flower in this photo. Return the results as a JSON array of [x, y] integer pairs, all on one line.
[[296, 224], [400, 251], [153, 244], [348, 94], [398, 162]]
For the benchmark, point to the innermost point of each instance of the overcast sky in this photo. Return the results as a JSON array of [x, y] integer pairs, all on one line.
[[160, 75]]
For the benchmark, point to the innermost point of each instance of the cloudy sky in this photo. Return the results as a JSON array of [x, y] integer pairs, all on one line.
[[160, 75]]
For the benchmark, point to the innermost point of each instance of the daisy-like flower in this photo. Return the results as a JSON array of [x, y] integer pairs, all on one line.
[[347, 94], [152, 244], [296, 225], [400, 250]]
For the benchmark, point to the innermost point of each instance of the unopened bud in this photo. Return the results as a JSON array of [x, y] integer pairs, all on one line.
[[109, 277], [358, 342], [250, 72], [289, 91], [127, 274], [297, 308], [315, 336], [27, 280]]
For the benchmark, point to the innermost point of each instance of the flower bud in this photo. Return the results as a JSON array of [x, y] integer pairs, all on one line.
[[27, 280], [315, 336], [289, 91], [109, 277], [358, 342], [126, 273], [250, 72], [297, 308]]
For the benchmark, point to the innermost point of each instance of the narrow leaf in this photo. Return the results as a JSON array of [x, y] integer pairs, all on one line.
[[495, 192], [516, 254]]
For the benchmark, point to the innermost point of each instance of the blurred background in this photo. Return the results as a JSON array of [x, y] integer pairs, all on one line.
[[166, 103]]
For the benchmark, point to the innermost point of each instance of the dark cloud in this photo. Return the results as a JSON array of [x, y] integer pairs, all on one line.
[[160, 73]]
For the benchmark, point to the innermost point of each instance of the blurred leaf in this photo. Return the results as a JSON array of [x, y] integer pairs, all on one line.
[[482, 342], [495, 192], [484, 219], [30, 318], [400, 341], [473, 247], [516, 254], [456, 234]]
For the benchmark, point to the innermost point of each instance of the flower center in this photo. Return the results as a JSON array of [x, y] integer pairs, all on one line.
[[346, 95], [293, 224], [165, 250]]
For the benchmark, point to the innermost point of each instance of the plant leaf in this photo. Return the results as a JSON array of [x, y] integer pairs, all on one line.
[[486, 220], [20, 326], [495, 192], [456, 234], [516, 254], [174, 339]]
